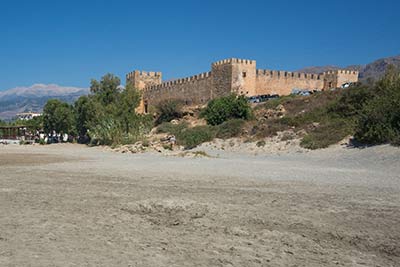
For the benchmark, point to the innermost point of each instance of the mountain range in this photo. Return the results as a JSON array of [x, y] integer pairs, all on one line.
[[33, 98]]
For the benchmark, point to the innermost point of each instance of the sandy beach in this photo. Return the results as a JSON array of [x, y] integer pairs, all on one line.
[[72, 205]]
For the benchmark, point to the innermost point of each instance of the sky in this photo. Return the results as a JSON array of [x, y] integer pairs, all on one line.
[[71, 42]]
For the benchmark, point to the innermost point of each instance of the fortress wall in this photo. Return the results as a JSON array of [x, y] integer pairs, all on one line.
[[282, 82], [193, 90]]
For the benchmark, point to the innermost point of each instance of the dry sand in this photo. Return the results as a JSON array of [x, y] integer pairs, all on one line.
[[70, 205]]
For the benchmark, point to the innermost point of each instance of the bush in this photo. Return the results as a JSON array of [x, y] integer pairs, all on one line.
[[231, 128], [351, 101], [170, 128], [269, 128], [192, 137], [228, 107], [327, 134], [145, 142], [167, 146], [109, 131], [261, 143], [168, 110], [379, 120]]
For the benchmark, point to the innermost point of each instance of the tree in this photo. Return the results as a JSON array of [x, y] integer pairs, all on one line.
[[107, 89], [36, 123], [128, 101], [88, 112], [58, 116]]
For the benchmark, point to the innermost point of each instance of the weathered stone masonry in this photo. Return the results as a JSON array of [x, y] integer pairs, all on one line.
[[239, 76]]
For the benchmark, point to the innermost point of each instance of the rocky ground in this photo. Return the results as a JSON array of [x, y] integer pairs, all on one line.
[[71, 205]]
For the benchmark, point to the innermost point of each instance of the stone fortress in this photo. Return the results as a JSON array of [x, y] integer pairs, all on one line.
[[239, 76]]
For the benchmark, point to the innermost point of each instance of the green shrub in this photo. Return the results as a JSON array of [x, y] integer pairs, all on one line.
[[145, 143], [170, 128], [192, 137], [261, 143], [268, 129], [167, 146], [351, 101], [327, 134], [168, 110], [379, 120], [230, 128], [109, 131], [228, 107]]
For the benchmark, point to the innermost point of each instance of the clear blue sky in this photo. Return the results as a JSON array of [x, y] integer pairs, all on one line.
[[69, 42]]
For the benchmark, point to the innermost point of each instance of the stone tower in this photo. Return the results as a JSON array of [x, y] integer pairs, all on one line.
[[142, 79], [336, 78], [233, 76]]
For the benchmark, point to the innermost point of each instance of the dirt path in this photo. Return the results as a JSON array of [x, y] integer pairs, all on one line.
[[69, 205]]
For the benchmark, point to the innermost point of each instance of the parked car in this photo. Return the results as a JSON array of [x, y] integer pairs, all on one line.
[[262, 98], [346, 85], [301, 92], [254, 99]]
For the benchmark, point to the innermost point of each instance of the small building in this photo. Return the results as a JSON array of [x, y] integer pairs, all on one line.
[[14, 134], [25, 116]]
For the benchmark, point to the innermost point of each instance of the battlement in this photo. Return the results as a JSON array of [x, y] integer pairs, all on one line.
[[288, 74], [341, 72], [234, 60], [139, 73], [168, 84]]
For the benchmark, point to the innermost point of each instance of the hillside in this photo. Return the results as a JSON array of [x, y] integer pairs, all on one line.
[[33, 98]]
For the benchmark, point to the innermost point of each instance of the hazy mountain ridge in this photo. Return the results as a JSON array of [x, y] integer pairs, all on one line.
[[33, 98], [378, 68]]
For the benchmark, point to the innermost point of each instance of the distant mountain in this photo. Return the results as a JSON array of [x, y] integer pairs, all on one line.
[[378, 68], [373, 70], [33, 98]]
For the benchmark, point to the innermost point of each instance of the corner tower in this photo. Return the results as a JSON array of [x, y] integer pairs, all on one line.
[[233, 76], [140, 80]]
